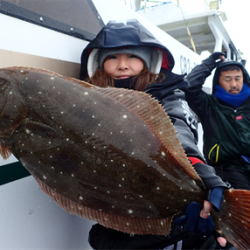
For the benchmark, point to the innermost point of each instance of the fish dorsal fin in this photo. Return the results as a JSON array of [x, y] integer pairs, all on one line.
[[154, 115]]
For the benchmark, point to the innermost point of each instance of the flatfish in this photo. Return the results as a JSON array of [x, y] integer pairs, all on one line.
[[106, 154]]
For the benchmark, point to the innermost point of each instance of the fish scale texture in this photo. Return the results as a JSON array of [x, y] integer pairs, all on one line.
[[153, 114], [126, 224]]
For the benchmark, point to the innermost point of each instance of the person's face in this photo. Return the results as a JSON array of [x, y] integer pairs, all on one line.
[[122, 66], [231, 81]]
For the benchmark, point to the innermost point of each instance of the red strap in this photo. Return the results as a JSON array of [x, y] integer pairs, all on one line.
[[195, 160]]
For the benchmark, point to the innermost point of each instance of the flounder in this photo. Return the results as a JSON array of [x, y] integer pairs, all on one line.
[[106, 154]]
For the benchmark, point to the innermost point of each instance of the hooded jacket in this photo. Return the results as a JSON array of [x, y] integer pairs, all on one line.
[[226, 129], [131, 33]]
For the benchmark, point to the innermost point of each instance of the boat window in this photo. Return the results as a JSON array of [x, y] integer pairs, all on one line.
[[78, 18]]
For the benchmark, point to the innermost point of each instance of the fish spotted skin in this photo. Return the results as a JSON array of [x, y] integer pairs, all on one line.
[[101, 155], [109, 155]]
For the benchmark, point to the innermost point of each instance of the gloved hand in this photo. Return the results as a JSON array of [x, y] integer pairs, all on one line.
[[192, 221], [211, 62], [217, 55]]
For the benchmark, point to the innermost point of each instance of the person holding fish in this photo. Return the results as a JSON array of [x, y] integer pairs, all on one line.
[[126, 55]]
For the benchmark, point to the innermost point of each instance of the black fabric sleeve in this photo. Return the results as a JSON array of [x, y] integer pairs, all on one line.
[[199, 74], [208, 175], [196, 78], [186, 138], [184, 121]]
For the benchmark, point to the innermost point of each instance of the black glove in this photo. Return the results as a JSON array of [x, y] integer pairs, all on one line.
[[192, 221], [211, 62], [216, 55]]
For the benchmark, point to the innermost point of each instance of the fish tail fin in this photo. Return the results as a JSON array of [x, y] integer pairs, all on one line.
[[233, 220], [4, 151]]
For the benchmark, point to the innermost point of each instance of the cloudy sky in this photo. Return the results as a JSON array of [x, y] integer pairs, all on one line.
[[238, 25]]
